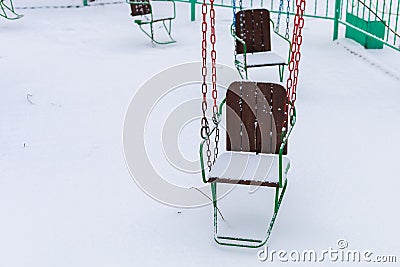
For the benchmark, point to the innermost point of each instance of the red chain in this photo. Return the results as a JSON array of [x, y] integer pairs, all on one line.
[[213, 60], [214, 77], [205, 129], [204, 122], [297, 40]]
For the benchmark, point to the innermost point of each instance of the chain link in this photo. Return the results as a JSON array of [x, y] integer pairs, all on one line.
[[205, 128], [287, 19], [278, 22], [234, 25]]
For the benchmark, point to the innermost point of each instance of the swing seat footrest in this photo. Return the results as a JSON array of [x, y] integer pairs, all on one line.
[[148, 21], [243, 182]]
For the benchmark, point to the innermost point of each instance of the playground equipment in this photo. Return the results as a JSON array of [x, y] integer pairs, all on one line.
[[252, 34], [336, 11], [8, 11], [142, 11], [259, 120]]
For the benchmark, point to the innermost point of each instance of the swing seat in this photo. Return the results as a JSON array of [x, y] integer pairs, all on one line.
[[248, 169], [253, 48], [144, 13], [164, 10], [256, 148]]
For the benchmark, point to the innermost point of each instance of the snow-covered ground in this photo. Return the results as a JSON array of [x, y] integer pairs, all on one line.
[[67, 198]]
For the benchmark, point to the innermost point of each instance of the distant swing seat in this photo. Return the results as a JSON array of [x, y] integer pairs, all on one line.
[[142, 11], [7, 10], [256, 145], [252, 34]]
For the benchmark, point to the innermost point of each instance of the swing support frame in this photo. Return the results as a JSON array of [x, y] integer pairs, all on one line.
[[150, 32], [5, 9], [279, 191]]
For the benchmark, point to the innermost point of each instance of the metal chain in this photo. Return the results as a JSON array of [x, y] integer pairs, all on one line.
[[205, 128], [214, 77], [234, 25], [234, 13], [213, 61], [297, 40], [287, 19], [278, 21]]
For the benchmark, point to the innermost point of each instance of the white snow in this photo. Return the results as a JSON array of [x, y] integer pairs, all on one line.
[[262, 59], [66, 196]]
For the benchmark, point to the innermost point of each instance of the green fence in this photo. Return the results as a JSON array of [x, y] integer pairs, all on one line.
[[375, 20], [373, 23], [314, 8]]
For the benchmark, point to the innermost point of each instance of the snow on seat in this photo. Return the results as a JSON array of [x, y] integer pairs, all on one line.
[[262, 59], [249, 169], [163, 10]]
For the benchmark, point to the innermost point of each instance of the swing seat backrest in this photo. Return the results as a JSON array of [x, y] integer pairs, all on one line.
[[254, 117], [140, 7], [253, 27]]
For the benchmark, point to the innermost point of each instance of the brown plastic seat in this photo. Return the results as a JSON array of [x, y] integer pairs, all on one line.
[[252, 35], [139, 9], [255, 114]]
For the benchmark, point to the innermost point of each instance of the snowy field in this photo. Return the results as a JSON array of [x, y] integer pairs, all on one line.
[[67, 197]]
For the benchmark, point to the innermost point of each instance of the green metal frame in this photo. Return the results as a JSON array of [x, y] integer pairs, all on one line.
[[279, 192], [338, 8], [150, 34], [5, 9], [272, 5], [241, 66]]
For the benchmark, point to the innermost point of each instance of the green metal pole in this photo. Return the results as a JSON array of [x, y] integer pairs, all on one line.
[[336, 20], [315, 7], [397, 21], [389, 18], [192, 10], [276, 206], [85, 2]]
